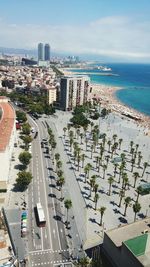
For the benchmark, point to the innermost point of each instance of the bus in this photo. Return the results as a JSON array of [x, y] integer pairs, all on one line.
[[41, 221]]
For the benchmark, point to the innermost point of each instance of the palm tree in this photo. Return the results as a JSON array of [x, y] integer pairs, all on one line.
[[136, 148], [112, 151], [59, 173], [78, 160], [132, 164], [110, 181], [64, 129], [127, 203], [145, 165], [124, 179], [115, 146], [86, 142], [123, 156], [131, 145], [139, 191], [84, 262], [92, 183], [107, 159], [121, 168], [68, 127], [132, 152], [71, 143], [86, 170], [71, 134], [92, 147], [57, 157], [96, 198], [78, 132], [121, 194], [89, 167], [109, 144], [58, 165], [95, 188], [139, 158], [104, 170], [75, 156], [120, 142], [102, 211], [115, 168], [83, 158], [135, 176], [68, 205], [114, 138], [92, 124], [61, 182], [136, 209], [99, 163], [81, 136]]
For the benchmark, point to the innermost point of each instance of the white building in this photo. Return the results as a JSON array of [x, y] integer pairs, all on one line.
[[7, 139]]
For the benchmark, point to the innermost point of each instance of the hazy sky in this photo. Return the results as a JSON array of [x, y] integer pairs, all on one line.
[[113, 28]]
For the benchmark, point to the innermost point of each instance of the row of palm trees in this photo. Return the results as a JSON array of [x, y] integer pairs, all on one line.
[[58, 169]]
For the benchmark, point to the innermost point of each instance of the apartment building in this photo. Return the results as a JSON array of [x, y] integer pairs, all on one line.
[[74, 91]]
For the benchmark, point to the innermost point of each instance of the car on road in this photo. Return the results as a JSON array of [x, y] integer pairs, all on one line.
[[32, 130]]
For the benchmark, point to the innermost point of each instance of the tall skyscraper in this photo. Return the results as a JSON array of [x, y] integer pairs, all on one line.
[[47, 52], [40, 51]]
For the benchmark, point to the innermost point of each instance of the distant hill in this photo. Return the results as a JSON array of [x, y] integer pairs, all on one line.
[[18, 51]]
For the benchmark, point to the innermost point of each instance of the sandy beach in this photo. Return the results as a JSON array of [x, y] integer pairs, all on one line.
[[106, 95]]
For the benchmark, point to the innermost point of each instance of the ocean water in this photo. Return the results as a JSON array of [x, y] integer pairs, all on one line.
[[133, 78]]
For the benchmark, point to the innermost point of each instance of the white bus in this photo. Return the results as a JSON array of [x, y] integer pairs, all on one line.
[[41, 221]]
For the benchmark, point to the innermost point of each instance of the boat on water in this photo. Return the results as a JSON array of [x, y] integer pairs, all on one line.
[[103, 68]]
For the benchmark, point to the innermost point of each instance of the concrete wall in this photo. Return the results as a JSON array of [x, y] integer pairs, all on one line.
[[119, 256], [111, 251], [128, 258]]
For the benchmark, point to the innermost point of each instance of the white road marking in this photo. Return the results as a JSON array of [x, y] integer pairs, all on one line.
[[42, 238]]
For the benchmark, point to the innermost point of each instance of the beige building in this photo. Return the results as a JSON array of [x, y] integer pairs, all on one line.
[[51, 95], [74, 91]]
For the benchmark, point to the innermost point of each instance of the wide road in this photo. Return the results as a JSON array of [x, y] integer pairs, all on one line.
[[47, 245]]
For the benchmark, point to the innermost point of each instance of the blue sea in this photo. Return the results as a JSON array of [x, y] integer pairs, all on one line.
[[133, 78]]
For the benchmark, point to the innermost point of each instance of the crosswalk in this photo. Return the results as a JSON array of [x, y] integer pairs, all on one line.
[[42, 252], [58, 263]]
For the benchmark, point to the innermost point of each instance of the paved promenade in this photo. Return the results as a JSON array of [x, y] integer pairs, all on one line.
[[114, 216]]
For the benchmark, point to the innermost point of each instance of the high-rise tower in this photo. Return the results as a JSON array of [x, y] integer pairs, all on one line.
[[47, 52], [40, 51]]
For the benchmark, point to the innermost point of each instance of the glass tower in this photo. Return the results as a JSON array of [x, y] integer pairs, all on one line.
[[47, 52], [40, 51]]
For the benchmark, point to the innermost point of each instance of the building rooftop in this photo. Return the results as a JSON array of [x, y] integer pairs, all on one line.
[[6, 123], [126, 232]]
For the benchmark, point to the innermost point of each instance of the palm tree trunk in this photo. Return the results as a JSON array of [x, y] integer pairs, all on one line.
[[101, 220], [135, 217], [125, 210], [120, 201]]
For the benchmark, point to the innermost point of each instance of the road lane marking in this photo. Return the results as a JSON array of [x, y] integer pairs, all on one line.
[[43, 176]]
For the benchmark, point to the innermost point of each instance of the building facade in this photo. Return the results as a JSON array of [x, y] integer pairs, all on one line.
[[47, 52], [74, 91], [40, 52], [128, 245], [7, 139]]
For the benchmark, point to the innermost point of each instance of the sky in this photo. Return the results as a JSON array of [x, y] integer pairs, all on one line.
[[115, 29]]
